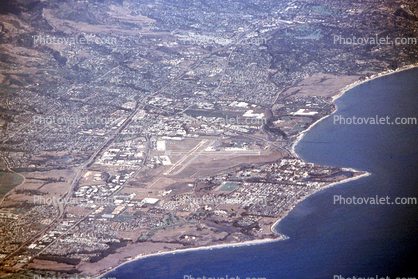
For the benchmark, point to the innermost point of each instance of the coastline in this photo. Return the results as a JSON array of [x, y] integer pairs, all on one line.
[[245, 243], [292, 151], [217, 246], [341, 93], [326, 186]]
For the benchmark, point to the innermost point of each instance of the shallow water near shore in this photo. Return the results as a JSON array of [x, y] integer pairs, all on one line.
[[328, 239]]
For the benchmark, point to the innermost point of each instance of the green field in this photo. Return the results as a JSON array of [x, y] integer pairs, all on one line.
[[229, 186], [8, 181]]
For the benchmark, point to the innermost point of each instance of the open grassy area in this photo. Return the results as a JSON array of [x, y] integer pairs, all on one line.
[[8, 181], [229, 186]]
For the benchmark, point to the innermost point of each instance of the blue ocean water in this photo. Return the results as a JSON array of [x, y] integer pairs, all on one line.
[[329, 240]]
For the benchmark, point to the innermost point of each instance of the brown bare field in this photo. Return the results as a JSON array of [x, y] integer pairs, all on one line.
[[72, 27], [199, 163], [324, 85], [78, 210], [125, 253], [38, 181], [50, 265], [208, 164]]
